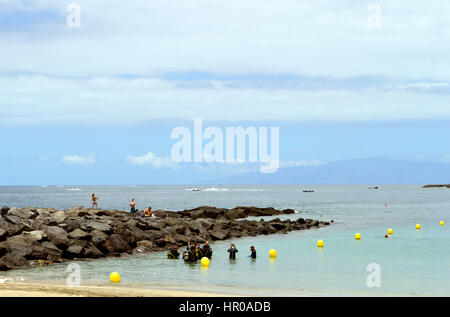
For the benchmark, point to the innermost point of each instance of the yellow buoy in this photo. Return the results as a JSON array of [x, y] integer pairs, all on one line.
[[357, 236], [114, 277], [273, 253], [320, 244], [390, 231], [442, 223], [205, 261], [418, 226]]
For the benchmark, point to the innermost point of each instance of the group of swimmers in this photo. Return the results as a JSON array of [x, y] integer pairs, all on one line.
[[194, 252]]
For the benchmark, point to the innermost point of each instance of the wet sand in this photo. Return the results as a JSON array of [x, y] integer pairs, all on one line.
[[50, 290]]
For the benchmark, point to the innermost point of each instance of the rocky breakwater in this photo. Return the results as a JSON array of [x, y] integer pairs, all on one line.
[[42, 236]]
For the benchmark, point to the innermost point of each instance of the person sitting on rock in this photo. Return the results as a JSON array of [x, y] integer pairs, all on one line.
[[173, 253], [232, 250], [198, 251], [148, 212], [253, 252], [206, 250]]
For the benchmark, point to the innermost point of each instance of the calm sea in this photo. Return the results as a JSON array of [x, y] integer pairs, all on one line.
[[411, 262]]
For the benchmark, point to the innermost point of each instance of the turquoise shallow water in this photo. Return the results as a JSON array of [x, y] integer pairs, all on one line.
[[412, 262]]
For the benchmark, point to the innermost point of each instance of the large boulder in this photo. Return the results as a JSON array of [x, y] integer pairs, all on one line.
[[26, 247], [74, 251], [58, 237], [15, 220], [218, 234], [54, 254], [4, 210], [98, 237], [4, 248], [79, 234], [91, 251], [93, 225], [119, 244], [13, 261], [24, 213], [36, 235], [3, 234], [59, 216]]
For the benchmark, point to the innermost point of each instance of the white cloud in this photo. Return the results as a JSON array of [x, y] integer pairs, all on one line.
[[320, 38], [28, 100], [145, 40], [79, 159], [151, 159]]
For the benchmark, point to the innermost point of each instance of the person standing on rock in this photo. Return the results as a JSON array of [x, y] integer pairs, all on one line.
[[133, 206], [232, 250], [94, 201]]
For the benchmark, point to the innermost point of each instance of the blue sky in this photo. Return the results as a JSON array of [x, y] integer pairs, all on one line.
[[76, 102]]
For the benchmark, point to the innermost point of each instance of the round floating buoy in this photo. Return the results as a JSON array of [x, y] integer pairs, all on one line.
[[114, 277], [273, 253], [390, 231], [442, 223], [385, 205], [386, 236], [205, 261], [418, 226], [320, 244], [357, 236]]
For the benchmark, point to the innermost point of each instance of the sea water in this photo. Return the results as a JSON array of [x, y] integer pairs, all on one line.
[[411, 262]]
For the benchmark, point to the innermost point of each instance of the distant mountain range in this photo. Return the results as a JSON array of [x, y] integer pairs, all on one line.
[[358, 171]]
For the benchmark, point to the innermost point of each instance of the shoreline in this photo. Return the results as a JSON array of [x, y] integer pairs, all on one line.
[[60, 290]]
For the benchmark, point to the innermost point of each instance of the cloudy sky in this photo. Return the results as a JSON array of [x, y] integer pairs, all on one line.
[[341, 78]]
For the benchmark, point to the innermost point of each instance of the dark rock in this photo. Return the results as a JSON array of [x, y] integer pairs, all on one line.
[[119, 244], [58, 237], [92, 225], [24, 213], [14, 261], [3, 234], [72, 224], [79, 234], [15, 220], [4, 248], [98, 237], [91, 251], [74, 251], [218, 234], [4, 210]]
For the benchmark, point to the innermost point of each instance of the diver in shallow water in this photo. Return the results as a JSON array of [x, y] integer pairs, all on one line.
[[232, 250], [198, 251], [206, 250], [253, 253], [173, 253], [189, 255]]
